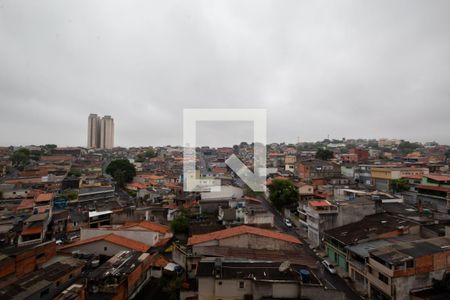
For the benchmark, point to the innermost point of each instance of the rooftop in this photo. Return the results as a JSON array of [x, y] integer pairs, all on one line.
[[44, 197], [147, 225], [251, 270], [239, 230], [112, 238], [398, 253], [295, 257], [442, 178], [119, 267], [370, 227]]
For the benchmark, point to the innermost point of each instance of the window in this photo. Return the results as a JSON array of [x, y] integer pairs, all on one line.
[[369, 269], [410, 264], [105, 248], [241, 284], [383, 278]]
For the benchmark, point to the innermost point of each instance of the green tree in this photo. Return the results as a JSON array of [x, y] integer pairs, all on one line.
[[171, 286], [406, 147], [150, 153], [180, 224], [399, 185], [20, 158], [48, 148], [324, 154], [282, 193], [72, 195], [122, 171], [140, 158]]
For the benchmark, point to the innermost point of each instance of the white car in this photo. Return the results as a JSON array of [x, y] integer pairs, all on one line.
[[288, 223], [329, 267], [59, 242]]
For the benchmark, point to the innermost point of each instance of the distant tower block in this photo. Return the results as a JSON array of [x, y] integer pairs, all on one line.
[[100, 132]]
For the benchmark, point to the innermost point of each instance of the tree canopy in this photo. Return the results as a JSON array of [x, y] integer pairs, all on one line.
[[406, 147], [149, 153], [180, 224], [324, 154], [283, 193], [20, 158], [400, 185], [122, 171]]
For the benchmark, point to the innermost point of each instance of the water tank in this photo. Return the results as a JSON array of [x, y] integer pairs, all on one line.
[[305, 275]]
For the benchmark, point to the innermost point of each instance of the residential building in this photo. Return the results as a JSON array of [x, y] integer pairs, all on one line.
[[395, 270], [311, 169], [372, 227], [16, 262], [305, 191], [121, 277], [434, 191], [100, 132], [107, 133], [92, 194], [362, 154], [105, 245], [245, 237], [322, 215], [46, 282], [146, 232], [382, 177], [34, 229], [93, 131], [221, 278]]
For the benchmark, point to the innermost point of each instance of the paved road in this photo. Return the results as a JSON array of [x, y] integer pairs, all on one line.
[[330, 281]]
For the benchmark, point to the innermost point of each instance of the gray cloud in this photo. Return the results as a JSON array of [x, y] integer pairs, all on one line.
[[347, 68]]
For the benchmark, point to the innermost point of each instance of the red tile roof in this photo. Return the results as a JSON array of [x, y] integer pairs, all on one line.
[[319, 203], [56, 157], [239, 230], [157, 260], [439, 177], [147, 225], [434, 188], [32, 230], [115, 239], [137, 185], [162, 243], [44, 197], [25, 204]]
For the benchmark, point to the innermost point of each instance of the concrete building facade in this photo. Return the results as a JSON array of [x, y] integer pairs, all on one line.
[[100, 132]]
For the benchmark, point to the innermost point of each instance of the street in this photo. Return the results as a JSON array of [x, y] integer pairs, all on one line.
[[331, 281]]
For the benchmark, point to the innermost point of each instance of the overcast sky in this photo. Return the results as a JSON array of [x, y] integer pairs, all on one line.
[[351, 69]]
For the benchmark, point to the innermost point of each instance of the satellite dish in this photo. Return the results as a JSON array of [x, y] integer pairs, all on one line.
[[284, 266]]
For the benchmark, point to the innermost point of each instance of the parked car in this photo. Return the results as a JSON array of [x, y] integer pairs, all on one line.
[[59, 242], [288, 223], [329, 267]]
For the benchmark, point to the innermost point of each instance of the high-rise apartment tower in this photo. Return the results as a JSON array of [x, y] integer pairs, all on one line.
[[100, 132]]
